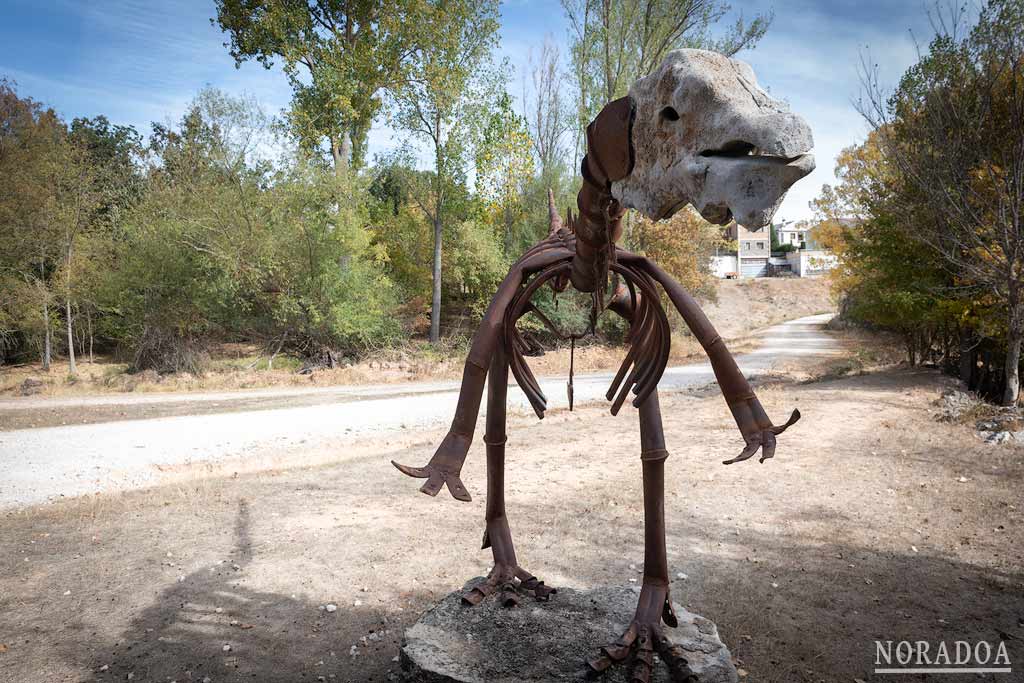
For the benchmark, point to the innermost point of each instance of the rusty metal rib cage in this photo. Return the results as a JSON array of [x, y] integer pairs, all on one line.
[[649, 337]]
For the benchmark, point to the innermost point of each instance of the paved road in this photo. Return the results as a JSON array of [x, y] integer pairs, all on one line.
[[40, 464]]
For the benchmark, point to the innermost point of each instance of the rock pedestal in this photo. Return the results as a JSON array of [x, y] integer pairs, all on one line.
[[546, 641]]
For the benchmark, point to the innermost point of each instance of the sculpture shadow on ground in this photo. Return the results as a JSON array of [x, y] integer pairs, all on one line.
[[271, 637]]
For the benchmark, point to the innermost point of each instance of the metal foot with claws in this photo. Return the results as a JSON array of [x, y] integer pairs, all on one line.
[[645, 637], [510, 583]]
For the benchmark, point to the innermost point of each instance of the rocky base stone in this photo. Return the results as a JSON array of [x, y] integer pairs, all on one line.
[[546, 641]]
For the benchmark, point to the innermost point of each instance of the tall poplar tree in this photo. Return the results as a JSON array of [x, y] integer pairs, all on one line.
[[439, 104], [338, 56]]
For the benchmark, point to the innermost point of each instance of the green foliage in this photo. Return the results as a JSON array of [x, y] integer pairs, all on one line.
[[473, 261], [222, 245], [334, 291], [58, 188], [474, 265], [338, 58], [504, 164], [28, 134], [885, 276]]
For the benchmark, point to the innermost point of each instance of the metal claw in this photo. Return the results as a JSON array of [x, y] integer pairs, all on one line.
[[746, 453], [436, 480], [789, 423]]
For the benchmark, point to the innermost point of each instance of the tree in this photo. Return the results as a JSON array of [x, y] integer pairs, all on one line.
[[615, 42], [441, 103], [548, 113], [113, 154], [71, 211], [473, 261], [29, 136], [338, 57], [114, 151], [504, 163], [954, 128], [226, 245], [884, 276]]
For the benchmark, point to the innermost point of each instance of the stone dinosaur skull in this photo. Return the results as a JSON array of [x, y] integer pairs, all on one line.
[[704, 133]]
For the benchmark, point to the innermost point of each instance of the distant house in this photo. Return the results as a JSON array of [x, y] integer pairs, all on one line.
[[754, 249], [754, 258]]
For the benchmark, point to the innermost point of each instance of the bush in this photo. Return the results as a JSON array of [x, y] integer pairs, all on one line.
[[163, 351]]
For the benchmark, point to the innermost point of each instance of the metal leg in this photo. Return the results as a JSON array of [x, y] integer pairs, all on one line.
[[654, 604], [506, 576], [645, 634], [497, 536]]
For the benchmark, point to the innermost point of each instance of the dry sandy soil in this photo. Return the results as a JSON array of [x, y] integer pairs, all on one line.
[[874, 522], [742, 307]]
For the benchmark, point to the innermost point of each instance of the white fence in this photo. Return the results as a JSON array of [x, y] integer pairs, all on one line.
[[724, 265], [809, 263]]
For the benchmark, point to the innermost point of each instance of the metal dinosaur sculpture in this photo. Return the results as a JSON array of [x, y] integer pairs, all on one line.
[[698, 130]]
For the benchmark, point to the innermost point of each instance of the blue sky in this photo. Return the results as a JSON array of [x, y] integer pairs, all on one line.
[[138, 61]]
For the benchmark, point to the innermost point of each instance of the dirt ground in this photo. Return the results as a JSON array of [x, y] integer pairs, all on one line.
[[742, 308], [874, 522]]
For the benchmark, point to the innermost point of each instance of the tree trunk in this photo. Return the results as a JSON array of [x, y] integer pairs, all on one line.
[[67, 307], [92, 358], [911, 345], [609, 86], [341, 151], [508, 229], [47, 344], [435, 308], [71, 339], [1014, 335], [1012, 391], [967, 362]]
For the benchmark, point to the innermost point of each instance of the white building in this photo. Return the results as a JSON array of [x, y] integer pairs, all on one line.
[[754, 250], [791, 233]]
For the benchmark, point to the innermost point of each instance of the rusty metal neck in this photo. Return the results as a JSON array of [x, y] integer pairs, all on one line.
[[598, 227]]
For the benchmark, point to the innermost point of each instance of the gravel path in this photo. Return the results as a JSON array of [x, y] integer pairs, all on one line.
[[41, 464]]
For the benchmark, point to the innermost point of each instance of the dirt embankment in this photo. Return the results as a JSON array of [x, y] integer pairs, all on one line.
[[743, 307], [747, 305]]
